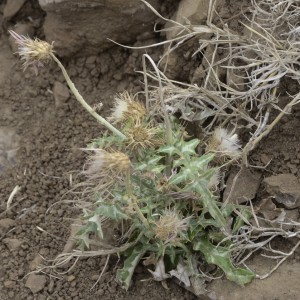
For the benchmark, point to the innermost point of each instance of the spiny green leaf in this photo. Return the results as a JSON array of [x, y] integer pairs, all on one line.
[[188, 148], [210, 203], [111, 211], [207, 222], [150, 163], [96, 220], [169, 149], [124, 275], [220, 256], [181, 177], [202, 161], [179, 162], [154, 160]]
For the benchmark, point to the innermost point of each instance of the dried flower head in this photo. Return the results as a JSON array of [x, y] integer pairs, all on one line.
[[127, 109], [170, 226], [102, 163], [33, 52], [224, 144], [143, 137]]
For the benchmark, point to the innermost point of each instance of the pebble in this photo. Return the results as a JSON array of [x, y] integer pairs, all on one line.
[[245, 187], [9, 284], [70, 278], [12, 7], [285, 188], [36, 283], [5, 225], [35, 262], [51, 286], [12, 244]]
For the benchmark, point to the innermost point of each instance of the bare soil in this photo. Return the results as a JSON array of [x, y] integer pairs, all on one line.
[[39, 152]]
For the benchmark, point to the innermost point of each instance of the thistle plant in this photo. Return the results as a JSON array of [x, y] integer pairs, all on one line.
[[163, 204], [150, 180]]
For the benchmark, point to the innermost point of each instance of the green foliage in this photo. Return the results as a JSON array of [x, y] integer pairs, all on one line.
[[220, 256], [165, 204], [124, 275]]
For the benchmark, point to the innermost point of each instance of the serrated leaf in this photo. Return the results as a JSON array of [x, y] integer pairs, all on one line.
[[210, 203], [178, 178], [124, 275], [207, 222], [154, 160], [202, 161], [220, 256], [169, 149], [158, 169], [151, 164], [96, 220], [188, 148], [111, 211], [178, 162]]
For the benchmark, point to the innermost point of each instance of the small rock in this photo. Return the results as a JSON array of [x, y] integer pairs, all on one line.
[[12, 244], [245, 187], [285, 188], [91, 60], [51, 286], [9, 284], [11, 294], [118, 76], [35, 262], [195, 11], [61, 94], [36, 283], [122, 86], [2, 272], [5, 225], [12, 7], [265, 159], [70, 278]]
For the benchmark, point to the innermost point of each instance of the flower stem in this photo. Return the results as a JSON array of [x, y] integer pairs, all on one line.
[[83, 102], [134, 201]]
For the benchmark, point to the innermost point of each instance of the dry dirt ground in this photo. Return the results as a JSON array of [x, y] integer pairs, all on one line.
[[40, 137]]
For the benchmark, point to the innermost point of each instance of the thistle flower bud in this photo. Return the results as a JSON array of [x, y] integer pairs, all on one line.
[[224, 144], [127, 109], [102, 163], [34, 52], [143, 137], [170, 226]]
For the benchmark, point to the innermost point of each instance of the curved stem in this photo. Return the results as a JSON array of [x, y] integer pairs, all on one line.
[[134, 201], [84, 103]]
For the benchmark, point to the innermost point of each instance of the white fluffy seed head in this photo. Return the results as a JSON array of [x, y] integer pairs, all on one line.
[[126, 109], [170, 226], [34, 52], [120, 109], [102, 163], [224, 144]]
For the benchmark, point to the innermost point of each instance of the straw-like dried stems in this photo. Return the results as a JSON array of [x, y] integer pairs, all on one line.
[[255, 62]]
